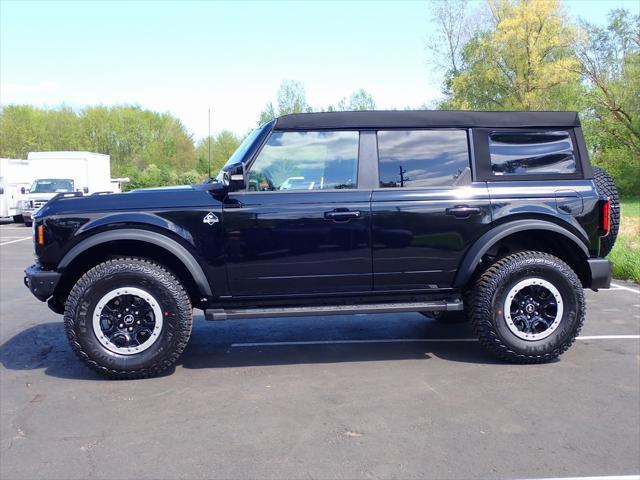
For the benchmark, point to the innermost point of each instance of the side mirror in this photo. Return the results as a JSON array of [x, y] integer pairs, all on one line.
[[237, 177], [1, 190], [23, 190], [85, 189]]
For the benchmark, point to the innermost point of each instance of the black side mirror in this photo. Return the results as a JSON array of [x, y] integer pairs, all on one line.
[[236, 178], [1, 190], [85, 189], [23, 190]]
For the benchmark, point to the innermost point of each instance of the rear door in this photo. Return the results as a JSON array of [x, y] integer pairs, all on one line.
[[302, 226], [427, 210]]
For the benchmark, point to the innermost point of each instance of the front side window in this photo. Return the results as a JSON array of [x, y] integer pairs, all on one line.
[[531, 152], [306, 161], [423, 158]]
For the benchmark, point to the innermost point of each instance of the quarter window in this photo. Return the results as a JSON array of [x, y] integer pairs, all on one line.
[[423, 158], [531, 152], [306, 161]]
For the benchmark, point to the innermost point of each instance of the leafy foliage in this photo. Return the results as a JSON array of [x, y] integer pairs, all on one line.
[[610, 61], [522, 62], [292, 98]]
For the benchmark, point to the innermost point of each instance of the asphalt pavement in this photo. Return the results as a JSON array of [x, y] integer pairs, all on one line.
[[364, 396]]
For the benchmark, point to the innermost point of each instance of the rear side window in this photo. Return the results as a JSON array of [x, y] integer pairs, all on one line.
[[306, 161], [423, 158], [531, 152]]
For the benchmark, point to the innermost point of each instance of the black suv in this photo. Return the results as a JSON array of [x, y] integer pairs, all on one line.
[[497, 217]]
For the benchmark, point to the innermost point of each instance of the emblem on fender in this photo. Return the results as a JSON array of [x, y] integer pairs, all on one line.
[[210, 218]]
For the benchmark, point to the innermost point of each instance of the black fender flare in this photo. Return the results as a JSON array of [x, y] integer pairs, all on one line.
[[490, 238], [147, 236]]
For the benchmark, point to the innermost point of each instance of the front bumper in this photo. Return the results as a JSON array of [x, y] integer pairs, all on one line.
[[600, 271], [42, 283]]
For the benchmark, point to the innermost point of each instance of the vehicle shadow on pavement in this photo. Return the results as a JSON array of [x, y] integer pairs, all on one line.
[[220, 345]]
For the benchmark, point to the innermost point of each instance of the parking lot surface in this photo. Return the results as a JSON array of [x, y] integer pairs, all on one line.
[[367, 396]]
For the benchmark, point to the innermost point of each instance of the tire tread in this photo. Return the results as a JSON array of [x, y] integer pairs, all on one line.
[[163, 276], [481, 313]]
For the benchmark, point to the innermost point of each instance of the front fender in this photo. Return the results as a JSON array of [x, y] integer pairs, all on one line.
[[147, 236]]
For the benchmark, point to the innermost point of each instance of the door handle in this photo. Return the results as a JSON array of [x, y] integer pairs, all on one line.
[[462, 211], [342, 215]]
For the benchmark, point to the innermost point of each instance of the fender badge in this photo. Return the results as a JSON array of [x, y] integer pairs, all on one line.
[[210, 218]]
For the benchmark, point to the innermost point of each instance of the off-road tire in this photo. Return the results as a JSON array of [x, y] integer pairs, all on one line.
[[129, 272], [28, 223], [606, 186], [486, 303]]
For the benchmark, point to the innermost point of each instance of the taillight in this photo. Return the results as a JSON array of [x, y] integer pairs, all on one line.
[[40, 235], [605, 217]]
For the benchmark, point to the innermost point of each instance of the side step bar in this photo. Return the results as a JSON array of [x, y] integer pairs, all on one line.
[[240, 314]]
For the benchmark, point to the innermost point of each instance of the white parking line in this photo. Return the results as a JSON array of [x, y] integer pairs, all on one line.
[[611, 477], [409, 340], [622, 287], [609, 337], [14, 241]]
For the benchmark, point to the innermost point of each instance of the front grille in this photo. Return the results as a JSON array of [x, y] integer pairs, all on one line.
[[38, 203]]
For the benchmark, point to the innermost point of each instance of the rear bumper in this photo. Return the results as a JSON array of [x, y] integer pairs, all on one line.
[[600, 271], [41, 282]]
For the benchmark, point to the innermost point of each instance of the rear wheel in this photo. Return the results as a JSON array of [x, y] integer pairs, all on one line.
[[527, 307], [18, 219], [606, 186], [128, 318]]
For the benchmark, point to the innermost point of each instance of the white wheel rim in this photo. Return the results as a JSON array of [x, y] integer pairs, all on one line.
[[136, 324], [520, 322]]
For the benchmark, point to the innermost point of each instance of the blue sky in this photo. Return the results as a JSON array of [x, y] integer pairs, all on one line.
[[185, 57]]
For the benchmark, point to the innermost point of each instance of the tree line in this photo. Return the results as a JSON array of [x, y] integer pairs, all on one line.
[[509, 55], [151, 148]]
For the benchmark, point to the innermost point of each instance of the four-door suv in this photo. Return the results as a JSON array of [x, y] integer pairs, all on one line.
[[498, 216]]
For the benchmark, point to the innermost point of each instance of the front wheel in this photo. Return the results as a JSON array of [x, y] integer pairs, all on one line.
[[128, 318], [527, 307]]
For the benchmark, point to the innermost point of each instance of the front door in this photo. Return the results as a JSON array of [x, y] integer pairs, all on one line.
[[302, 226]]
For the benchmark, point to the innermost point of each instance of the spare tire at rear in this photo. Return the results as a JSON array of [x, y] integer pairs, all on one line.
[[607, 187]]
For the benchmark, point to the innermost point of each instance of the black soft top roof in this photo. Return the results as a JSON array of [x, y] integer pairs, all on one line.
[[380, 119]]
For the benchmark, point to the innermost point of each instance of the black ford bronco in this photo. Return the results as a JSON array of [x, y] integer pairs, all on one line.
[[497, 217]]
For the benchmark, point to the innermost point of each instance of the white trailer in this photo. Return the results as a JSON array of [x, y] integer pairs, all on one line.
[[15, 174], [57, 172]]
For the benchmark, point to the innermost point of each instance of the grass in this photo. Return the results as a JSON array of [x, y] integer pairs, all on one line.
[[625, 255]]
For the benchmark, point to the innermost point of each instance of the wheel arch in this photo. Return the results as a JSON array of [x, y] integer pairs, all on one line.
[[548, 236], [135, 243]]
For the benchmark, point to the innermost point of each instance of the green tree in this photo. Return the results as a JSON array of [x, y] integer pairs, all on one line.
[[610, 62], [524, 61], [359, 100], [454, 28], [222, 147], [291, 98]]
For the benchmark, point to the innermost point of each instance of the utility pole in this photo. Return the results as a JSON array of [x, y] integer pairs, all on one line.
[[209, 139]]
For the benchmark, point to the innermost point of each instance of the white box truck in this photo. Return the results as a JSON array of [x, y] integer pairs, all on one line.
[[15, 174], [58, 172]]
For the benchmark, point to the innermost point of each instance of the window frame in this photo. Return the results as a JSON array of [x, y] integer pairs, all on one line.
[[485, 173], [265, 141], [470, 158]]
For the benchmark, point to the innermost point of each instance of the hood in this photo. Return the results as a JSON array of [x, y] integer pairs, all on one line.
[[151, 199], [40, 196]]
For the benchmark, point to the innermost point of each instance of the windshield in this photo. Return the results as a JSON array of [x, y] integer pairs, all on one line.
[[241, 151], [52, 185]]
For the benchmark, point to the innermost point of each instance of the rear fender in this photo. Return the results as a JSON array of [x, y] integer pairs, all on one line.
[[493, 236]]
